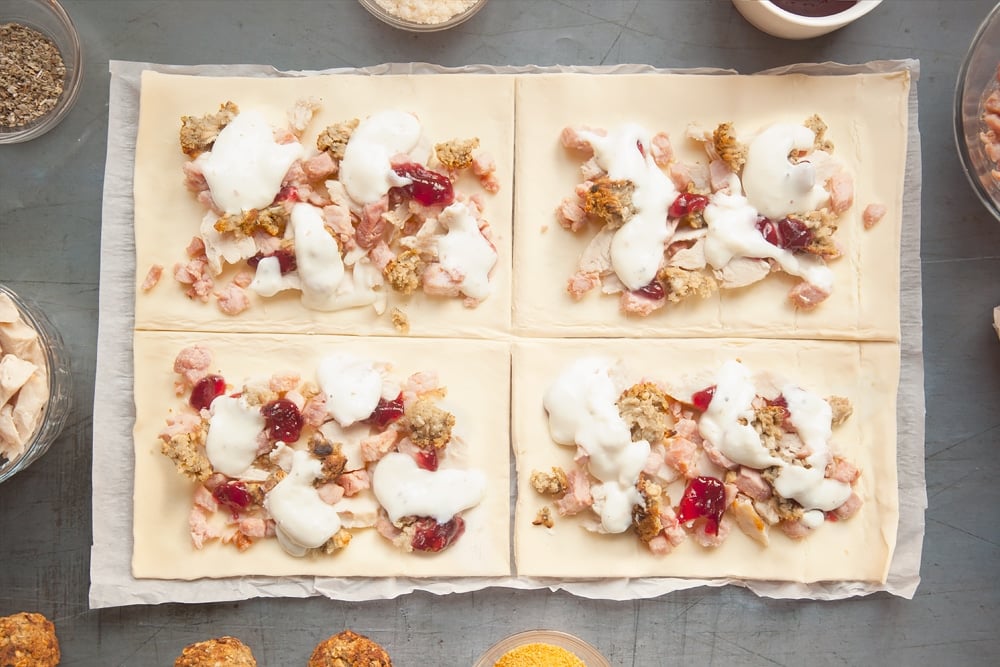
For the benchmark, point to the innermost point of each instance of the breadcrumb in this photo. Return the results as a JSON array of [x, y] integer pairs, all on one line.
[[456, 154], [729, 149], [400, 321], [271, 220], [610, 201], [403, 273], [819, 128], [544, 518], [646, 409], [549, 484], [187, 451], [334, 138], [427, 424], [198, 133], [681, 283], [539, 654]]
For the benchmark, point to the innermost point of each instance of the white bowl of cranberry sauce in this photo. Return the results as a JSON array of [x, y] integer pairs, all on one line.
[[802, 19], [977, 113]]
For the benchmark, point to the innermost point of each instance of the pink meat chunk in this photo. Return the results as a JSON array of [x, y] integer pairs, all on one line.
[[577, 496], [807, 296], [872, 214]]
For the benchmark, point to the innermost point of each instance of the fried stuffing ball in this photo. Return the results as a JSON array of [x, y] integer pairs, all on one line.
[[349, 649], [221, 652], [28, 640]]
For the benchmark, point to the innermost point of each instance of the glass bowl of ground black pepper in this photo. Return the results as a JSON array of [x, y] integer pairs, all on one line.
[[40, 68], [550, 648]]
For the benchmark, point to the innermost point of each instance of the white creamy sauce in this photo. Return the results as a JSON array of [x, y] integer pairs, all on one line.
[[637, 247], [366, 171], [732, 232], [582, 410], [352, 386], [268, 281], [245, 167], [465, 250], [302, 519], [721, 423], [774, 185], [231, 444], [405, 489], [317, 256]]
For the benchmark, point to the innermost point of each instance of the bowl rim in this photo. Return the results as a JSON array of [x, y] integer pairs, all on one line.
[[840, 18], [74, 79], [590, 655], [958, 122], [383, 15]]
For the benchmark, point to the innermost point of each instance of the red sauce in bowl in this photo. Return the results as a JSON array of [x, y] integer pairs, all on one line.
[[814, 8]]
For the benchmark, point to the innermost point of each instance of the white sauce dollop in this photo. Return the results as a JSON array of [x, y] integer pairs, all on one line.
[[774, 185], [317, 256], [637, 247], [302, 519], [366, 171], [465, 250], [231, 443], [582, 409], [405, 489], [245, 167], [352, 386], [732, 232], [268, 280]]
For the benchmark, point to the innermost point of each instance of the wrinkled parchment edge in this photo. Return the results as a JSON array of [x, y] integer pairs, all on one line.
[[112, 583]]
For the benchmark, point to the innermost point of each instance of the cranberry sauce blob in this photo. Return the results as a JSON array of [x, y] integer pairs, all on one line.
[[814, 8]]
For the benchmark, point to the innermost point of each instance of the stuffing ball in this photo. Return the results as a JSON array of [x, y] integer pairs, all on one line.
[[28, 640], [221, 652], [348, 649]]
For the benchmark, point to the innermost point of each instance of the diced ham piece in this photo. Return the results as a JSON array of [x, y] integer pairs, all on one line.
[[747, 519], [243, 279], [232, 300], [570, 138], [751, 483], [196, 247], [672, 528], [196, 276], [742, 271], [179, 423], [807, 296], [842, 470], [708, 540], [194, 177], [283, 382], [152, 277], [632, 303], [571, 215], [719, 174], [841, 188], [485, 167], [849, 508], [192, 363], [687, 428], [314, 411], [682, 455], [660, 149], [204, 499], [439, 281], [590, 170], [354, 482], [252, 526], [381, 255], [338, 218], [795, 529], [577, 497], [319, 167], [330, 493], [717, 457], [200, 529], [372, 225], [873, 213], [582, 282], [680, 175], [385, 528], [417, 385], [374, 447]]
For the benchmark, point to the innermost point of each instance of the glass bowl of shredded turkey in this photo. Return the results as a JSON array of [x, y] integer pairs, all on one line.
[[423, 15]]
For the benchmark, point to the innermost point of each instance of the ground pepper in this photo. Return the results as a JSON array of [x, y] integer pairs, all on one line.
[[32, 72], [539, 655]]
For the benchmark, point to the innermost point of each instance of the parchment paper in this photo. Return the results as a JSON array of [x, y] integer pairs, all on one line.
[[112, 583]]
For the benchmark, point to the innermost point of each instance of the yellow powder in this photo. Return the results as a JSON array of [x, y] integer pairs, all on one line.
[[539, 655]]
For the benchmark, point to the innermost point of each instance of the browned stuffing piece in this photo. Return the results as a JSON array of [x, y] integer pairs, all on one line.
[[28, 640], [646, 517], [428, 425], [198, 134], [400, 321], [403, 273], [728, 148], [330, 455], [549, 484], [610, 201], [227, 651], [769, 423], [457, 153], [543, 518], [681, 283], [841, 408], [187, 451], [816, 124], [339, 540], [349, 649], [646, 409], [271, 220], [334, 138]]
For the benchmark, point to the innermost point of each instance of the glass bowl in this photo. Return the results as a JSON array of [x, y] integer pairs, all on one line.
[[49, 18], [977, 78], [404, 20], [55, 358], [590, 656]]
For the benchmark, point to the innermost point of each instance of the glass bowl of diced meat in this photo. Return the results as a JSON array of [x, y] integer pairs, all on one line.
[[35, 383], [977, 113]]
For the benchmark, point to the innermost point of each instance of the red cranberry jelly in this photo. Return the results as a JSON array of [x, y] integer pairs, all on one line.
[[814, 8], [427, 459], [386, 412], [704, 498], [687, 202], [433, 536], [653, 290], [233, 495], [287, 193], [282, 420], [286, 260], [206, 390], [786, 233], [702, 399], [427, 187]]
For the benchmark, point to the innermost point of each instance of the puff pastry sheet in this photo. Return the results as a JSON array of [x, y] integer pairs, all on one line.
[[867, 119], [859, 549], [476, 375]]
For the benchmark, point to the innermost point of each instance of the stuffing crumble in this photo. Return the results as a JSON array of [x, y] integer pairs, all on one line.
[[399, 320], [841, 408], [610, 201], [681, 283], [816, 124], [729, 149], [456, 154], [428, 425], [187, 451], [543, 518], [549, 484], [271, 220], [646, 409], [334, 138], [404, 272], [198, 133]]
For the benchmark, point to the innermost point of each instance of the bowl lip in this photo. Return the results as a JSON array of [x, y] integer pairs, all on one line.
[[72, 84], [833, 20], [958, 124], [592, 657], [380, 13]]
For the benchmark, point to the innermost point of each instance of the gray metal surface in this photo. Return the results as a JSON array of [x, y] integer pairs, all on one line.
[[50, 212]]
